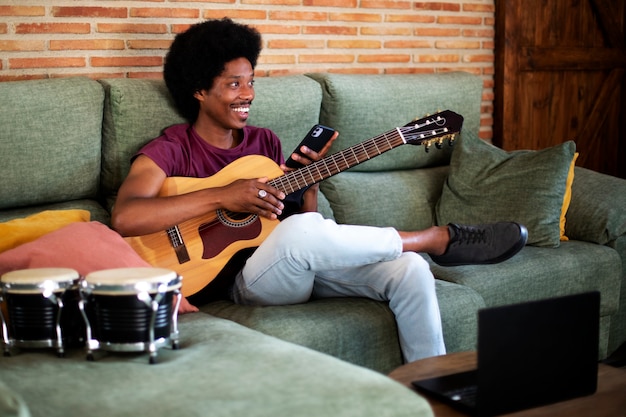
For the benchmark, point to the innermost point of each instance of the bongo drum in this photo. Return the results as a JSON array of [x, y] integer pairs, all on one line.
[[38, 307], [130, 310]]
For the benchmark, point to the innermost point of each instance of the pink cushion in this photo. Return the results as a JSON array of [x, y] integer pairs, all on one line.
[[84, 247]]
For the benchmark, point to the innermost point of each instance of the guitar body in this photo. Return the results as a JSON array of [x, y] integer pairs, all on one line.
[[211, 240]]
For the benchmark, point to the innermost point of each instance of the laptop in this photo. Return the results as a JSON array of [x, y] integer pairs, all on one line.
[[529, 354]]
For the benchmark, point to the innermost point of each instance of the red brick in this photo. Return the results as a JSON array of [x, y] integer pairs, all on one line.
[[409, 44], [459, 20], [457, 44], [385, 4], [131, 28], [156, 75], [475, 7], [126, 61], [354, 44], [89, 12], [11, 45], [330, 3], [478, 58], [61, 62], [383, 58], [414, 18], [234, 14], [329, 30], [355, 17], [156, 12], [447, 58], [272, 2], [438, 32], [289, 15], [295, 44], [386, 31], [30, 28], [22, 77], [326, 58], [180, 28], [278, 29], [428, 5], [86, 44], [277, 59], [409, 71], [22, 10], [149, 44], [479, 33]]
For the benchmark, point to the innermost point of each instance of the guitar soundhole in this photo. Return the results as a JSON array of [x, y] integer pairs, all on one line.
[[233, 219]]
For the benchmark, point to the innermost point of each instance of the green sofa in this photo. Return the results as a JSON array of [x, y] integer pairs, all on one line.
[[66, 143]]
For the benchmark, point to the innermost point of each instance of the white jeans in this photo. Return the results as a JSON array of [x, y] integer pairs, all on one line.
[[309, 256]]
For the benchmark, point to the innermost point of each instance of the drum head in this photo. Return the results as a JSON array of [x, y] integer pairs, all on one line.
[[132, 280], [36, 279]]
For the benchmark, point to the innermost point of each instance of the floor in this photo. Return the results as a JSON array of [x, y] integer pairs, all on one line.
[[618, 358]]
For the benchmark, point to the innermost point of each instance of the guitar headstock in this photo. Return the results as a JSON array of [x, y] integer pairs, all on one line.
[[433, 129]]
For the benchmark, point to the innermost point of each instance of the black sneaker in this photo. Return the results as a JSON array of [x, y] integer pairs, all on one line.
[[482, 244]]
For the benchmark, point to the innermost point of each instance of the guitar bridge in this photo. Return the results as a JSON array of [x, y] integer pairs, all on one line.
[[176, 240]]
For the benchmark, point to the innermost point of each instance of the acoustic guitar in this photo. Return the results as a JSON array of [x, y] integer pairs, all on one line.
[[198, 249]]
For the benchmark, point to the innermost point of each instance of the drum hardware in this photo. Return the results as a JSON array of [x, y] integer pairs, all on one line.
[[36, 308]]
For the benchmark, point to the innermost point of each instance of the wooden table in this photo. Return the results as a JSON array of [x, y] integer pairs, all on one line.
[[608, 401]]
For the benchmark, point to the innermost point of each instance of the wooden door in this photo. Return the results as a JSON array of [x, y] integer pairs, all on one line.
[[560, 75]]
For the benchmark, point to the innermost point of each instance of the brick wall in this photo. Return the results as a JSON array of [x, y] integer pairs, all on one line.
[[115, 38]]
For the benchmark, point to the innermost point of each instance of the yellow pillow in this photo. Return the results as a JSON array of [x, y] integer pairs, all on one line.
[[18, 231], [567, 198]]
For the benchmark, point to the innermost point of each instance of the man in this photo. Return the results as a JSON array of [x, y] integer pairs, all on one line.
[[209, 71]]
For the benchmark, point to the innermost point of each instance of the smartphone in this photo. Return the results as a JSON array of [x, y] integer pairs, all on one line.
[[317, 137]]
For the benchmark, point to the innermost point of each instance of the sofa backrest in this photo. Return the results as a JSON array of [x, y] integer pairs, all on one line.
[[137, 111], [49, 141], [361, 106], [401, 187]]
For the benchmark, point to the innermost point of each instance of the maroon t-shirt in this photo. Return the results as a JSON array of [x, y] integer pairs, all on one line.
[[181, 152]]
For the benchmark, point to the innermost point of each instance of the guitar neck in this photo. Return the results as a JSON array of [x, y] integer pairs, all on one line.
[[338, 162]]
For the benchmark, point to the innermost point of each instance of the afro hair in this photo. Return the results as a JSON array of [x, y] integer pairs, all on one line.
[[198, 55]]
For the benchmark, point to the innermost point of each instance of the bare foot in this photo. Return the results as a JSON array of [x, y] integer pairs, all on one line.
[[185, 306], [433, 240]]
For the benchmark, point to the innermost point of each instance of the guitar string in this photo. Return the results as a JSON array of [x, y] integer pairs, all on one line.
[[347, 158]]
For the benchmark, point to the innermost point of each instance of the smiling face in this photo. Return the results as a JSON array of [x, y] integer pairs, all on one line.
[[225, 107]]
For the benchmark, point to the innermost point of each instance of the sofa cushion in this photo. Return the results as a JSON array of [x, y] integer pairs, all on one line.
[[96, 210], [19, 231], [50, 140], [221, 369], [596, 213], [487, 184], [402, 199], [137, 111], [84, 247], [357, 330], [361, 106]]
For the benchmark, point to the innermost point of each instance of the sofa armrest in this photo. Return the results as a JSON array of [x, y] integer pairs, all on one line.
[[597, 212]]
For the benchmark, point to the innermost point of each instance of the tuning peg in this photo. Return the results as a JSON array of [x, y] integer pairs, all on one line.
[[451, 140], [427, 146]]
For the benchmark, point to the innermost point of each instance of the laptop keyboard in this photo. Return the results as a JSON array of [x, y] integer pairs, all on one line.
[[464, 395]]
